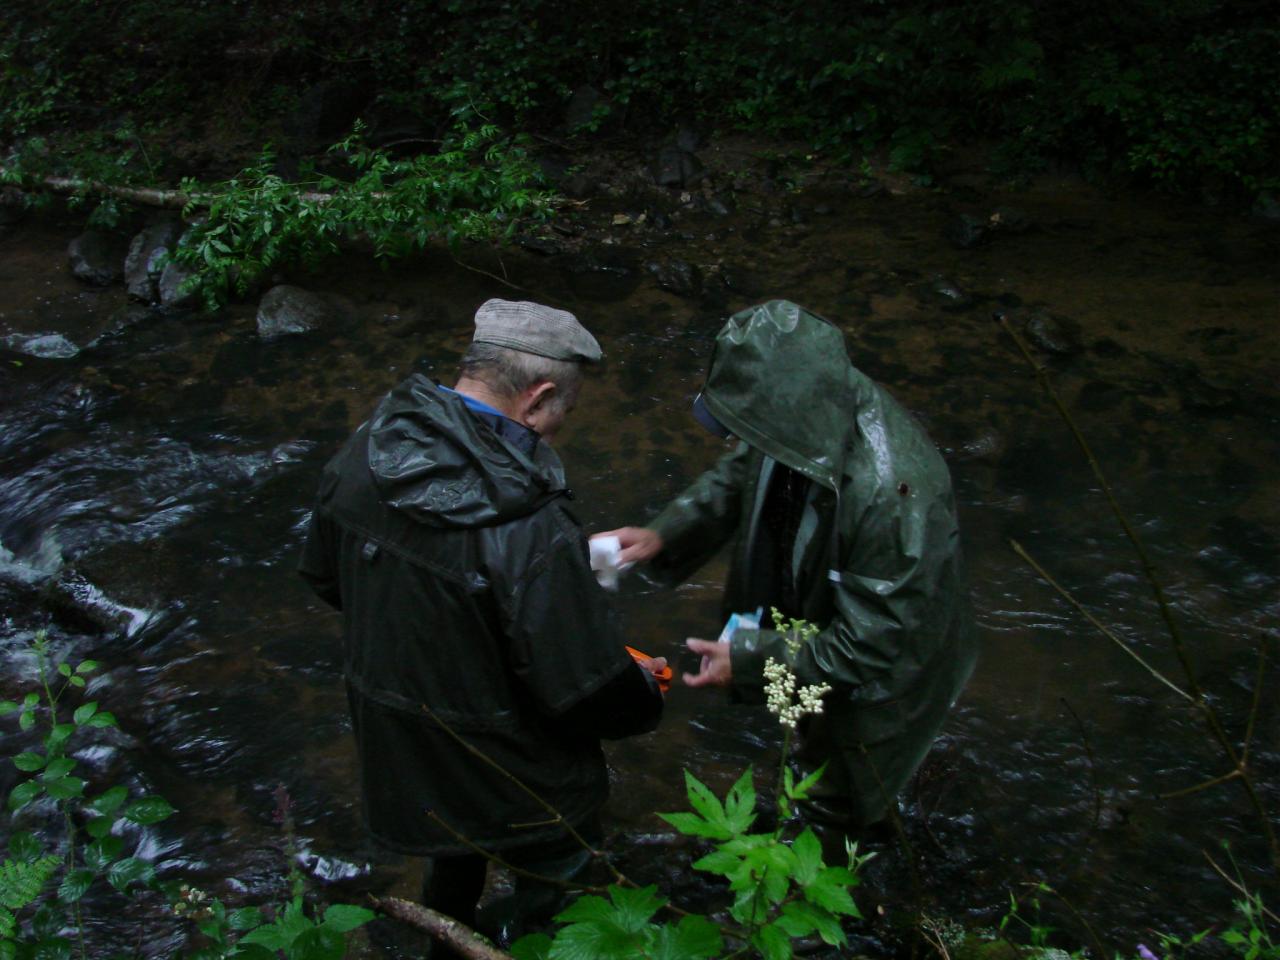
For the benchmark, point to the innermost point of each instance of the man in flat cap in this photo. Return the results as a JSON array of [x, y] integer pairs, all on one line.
[[471, 619]]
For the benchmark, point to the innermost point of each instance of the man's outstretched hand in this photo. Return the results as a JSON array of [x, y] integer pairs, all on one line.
[[716, 669], [638, 543]]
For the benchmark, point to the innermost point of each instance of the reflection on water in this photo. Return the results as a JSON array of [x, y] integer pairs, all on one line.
[[161, 479]]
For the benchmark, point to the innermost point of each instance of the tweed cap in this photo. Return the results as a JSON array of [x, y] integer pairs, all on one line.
[[534, 328]]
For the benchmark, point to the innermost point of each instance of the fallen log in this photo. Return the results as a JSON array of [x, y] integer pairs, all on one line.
[[445, 929]]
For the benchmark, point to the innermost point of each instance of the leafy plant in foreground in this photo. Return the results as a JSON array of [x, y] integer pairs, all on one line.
[[780, 885], [36, 916]]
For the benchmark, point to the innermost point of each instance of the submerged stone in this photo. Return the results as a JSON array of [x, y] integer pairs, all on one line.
[[145, 260], [93, 258], [46, 346], [286, 309]]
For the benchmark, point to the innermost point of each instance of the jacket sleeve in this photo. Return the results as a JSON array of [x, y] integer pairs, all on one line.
[[567, 650], [697, 523], [319, 565], [896, 598]]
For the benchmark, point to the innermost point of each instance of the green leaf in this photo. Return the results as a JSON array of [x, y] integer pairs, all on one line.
[[58, 768], [109, 801], [84, 712], [246, 918], [58, 736], [279, 935], [772, 943], [24, 847], [831, 892], [26, 720], [692, 825], [319, 943], [740, 804], [29, 762], [129, 871], [87, 666], [694, 938], [103, 719], [702, 799], [634, 908], [800, 918], [99, 827], [100, 854], [148, 810], [802, 789], [65, 788], [808, 853], [586, 909], [592, 941], [64, 669], [24, 793], [30, 700], [76, 681], [7, 707], [344, 917], [74, 885], [535, 946]]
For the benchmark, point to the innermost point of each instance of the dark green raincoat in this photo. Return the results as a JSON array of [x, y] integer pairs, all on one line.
[[465, 585], [876, 561]]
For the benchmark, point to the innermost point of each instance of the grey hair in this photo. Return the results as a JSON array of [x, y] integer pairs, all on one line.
[[510, 372]]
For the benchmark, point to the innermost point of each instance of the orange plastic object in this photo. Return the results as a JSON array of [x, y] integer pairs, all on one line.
[[663, 676]]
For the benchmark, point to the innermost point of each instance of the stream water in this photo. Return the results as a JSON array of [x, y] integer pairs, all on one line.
[[155, 486]]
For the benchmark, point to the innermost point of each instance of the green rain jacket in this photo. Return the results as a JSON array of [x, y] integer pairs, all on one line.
[[876, 562], [465, 585]]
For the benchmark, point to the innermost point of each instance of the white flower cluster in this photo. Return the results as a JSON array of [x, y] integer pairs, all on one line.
[[782, 698]]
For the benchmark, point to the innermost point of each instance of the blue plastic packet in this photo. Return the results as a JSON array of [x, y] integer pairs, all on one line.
[[741, 621]]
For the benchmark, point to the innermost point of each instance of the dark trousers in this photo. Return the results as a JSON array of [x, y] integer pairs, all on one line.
[[453, 885]]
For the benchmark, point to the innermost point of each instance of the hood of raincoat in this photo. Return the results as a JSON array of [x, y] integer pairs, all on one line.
[[436, 461], [781, 380]]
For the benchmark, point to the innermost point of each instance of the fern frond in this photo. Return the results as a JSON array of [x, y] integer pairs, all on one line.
[[21, 882]]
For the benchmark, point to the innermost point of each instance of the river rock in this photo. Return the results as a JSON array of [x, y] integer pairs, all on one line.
[[966, 231], [286, 309], [601, 275], [143, 264], [673, 167], [94, 258], [46, 346], [678, 276], [1056, 335], [170, 287]]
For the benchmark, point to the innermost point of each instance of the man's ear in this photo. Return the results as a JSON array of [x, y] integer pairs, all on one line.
[[535, 398]]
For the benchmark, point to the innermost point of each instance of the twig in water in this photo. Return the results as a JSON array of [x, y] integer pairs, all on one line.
[[486, 273], [445, 929]]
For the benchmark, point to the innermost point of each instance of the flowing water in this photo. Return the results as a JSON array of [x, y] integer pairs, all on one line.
[[155, 488]]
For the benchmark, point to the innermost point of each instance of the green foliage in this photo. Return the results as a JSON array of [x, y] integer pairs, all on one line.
[[34, 913], [477, 188], [780, 890], [1181, 95]]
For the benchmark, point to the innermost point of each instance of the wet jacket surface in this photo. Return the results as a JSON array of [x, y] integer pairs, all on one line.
[[876, 561], [464, 585]]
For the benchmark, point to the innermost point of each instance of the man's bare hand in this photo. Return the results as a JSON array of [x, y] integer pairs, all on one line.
[[638, 543], [716, 669]]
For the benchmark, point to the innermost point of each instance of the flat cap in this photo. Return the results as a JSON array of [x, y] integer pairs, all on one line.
[[534, 328]]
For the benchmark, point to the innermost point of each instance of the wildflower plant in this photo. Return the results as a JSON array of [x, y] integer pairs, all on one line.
[[780, 887]]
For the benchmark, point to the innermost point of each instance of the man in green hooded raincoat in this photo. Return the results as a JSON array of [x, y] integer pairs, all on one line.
[[841, 513]]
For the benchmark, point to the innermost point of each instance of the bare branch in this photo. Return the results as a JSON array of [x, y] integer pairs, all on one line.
[[447, 930], [1062, 591]]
